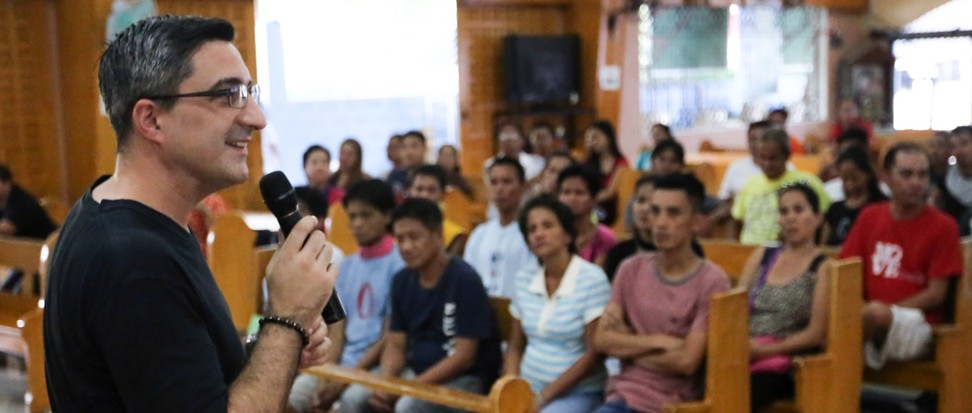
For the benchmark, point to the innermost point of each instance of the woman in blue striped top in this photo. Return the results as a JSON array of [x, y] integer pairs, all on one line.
[[555, 311]]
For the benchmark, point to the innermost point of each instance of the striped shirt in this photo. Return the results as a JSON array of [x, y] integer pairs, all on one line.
[[554, 325]]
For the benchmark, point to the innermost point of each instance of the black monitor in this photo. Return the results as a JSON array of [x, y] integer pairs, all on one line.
[[541, 69]]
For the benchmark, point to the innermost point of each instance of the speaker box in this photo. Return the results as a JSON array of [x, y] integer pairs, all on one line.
[[541, 69]]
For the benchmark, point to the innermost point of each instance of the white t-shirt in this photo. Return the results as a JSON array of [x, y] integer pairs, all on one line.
[[497, 254]]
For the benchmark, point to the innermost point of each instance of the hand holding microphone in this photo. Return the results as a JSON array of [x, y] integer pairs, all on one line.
[[299, 276]]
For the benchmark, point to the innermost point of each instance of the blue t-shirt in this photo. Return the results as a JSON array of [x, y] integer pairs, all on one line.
[[433, 318], [364, 286]]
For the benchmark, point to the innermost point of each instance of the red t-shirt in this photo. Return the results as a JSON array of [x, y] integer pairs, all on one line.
[[900, 256]]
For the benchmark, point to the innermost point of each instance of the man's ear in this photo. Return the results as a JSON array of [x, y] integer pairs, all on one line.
[[145, 120]]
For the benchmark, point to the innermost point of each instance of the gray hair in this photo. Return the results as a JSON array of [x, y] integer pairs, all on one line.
[[777, 136], [151, 58]]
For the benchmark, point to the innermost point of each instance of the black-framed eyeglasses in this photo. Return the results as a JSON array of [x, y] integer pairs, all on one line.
[[236, 96]]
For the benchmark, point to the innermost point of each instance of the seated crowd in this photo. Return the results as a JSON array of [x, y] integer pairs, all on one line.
[[612, 321]]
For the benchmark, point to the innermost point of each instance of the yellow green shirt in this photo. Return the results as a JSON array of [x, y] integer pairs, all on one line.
[[757, 205]]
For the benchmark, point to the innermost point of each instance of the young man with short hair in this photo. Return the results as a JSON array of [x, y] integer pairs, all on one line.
[[363, 284], [910, 250], [442, 329], [411, 154], [496, 248], [657, 318], [429, 182]]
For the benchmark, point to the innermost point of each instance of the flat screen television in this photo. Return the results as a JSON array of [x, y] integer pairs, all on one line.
[[541, 69]]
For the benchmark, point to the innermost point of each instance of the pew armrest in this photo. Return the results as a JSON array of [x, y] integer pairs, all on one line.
[[691, 407], [508, 394]]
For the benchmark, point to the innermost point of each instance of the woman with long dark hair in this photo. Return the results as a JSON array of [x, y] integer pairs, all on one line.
[[861, 187], [604, 156], [349, 167]]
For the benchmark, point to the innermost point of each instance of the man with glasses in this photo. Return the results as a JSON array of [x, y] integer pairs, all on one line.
[[134, 320]]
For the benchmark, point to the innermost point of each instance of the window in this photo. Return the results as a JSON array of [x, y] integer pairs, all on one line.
[[719, 67]]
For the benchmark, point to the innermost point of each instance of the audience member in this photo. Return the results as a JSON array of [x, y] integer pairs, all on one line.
[[429, 182], [756, 205], [659, 133], [861, 188], [830, 173], [940, 150], [555, 312], [576, 187], [657, 317], [349, 168], [411, 156], [740, 170], [448, 160], [641, 240], [511, 145], [394, 153], [542, 139], [496, 249], [668, 157], [556, 163], [317, 167], [442, 329], [363, 284], [21, 215], [787, 297], [910, 250], [604, 156], [955, 191], [849, 116], [777, 117], [204, 215]]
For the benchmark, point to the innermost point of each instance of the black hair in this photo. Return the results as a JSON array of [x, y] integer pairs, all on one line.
[[434, 171], [853, 135], [512, 163], [647, 179], [591, 177], [802, 187], [5, 175], [151, 58], [685, 182], [605, 127], [666, 128], [314, 148], [421, 210], [859, 157], [781, 111], [962, 129], [891, 157], [542, 125], [374, 192], [414, 134], [672, 146], [560, 153], [314, 199], [561, 211]]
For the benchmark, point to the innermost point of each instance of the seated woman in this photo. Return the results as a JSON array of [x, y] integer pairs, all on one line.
[[861, 188], [448, 159], [349, 169], [659, 133], [576, 187], [604, 156], [317, 167], [787, 297], [555, 312]]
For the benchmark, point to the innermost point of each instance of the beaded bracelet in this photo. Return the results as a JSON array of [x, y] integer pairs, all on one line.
[[304, 336]]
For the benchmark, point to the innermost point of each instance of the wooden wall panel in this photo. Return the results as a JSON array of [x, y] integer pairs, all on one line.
[[480, 38], [241, 14], [29, 144]]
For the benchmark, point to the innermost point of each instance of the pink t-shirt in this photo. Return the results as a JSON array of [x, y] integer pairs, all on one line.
[[604, 240], [653, 305]]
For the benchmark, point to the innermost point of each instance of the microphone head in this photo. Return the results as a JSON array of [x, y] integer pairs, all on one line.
[[278, 194]]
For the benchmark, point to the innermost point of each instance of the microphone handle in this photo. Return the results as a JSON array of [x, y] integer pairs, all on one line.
[[333, 310]]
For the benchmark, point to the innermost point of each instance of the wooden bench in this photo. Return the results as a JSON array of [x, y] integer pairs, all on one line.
[[827, 382], [232, 260], [626, 178], [509, 394], [32, 329], [727, 357], [25, 255], [339, 229], [949, 373]]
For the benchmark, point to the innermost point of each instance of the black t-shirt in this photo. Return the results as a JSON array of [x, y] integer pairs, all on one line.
[[27, 215], [840, 218], [625, 249], [134, 320], [432, 318]]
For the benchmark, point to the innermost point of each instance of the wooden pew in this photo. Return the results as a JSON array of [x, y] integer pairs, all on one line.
[[827, 382], [509, 394], [461, 210], [339, 229], [23, 254], [727, 357], [626, 180], [830, 382], [707, 175], [234, 265], [32, 329], [949, 373]]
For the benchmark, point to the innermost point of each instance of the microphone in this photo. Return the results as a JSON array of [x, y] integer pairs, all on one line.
[[281, 199]]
